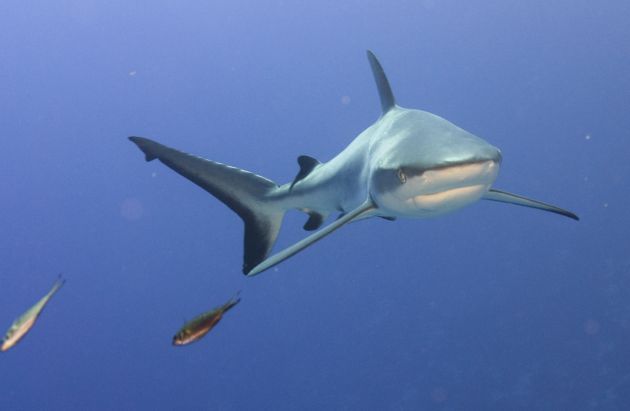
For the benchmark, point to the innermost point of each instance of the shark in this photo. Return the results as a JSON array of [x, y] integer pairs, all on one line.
[[409, 163]]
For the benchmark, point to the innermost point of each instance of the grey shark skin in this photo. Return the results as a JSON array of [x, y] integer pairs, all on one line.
[[409, 163]]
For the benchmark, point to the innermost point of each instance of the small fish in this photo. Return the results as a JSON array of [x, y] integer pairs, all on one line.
[[25, 322], [195, 329]]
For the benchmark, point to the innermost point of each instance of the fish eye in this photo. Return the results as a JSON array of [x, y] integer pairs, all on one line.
[[401, 176]]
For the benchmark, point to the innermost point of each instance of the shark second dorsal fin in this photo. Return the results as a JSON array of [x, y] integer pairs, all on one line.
[[384, 90], [307, 164]]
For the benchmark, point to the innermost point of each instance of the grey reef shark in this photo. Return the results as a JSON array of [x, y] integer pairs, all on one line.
[[409, 163]]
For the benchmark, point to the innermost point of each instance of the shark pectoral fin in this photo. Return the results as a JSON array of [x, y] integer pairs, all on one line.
[[504, 197], [360, 211]]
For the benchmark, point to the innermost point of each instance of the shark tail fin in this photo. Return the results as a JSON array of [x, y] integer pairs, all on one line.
[[244, 192]]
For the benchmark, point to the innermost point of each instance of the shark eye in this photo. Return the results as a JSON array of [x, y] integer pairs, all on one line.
[[401, 176]]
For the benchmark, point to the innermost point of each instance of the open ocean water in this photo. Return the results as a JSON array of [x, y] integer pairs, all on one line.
[[494, 307]]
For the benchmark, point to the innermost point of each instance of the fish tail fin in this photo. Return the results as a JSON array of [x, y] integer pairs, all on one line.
[[58, 284], [246, 193], [233, 301]]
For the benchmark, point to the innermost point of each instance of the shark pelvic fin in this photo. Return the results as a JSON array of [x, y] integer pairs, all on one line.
[[307, 165], [275, 259], [243, 192], [505, 197], [315, 220], [384, 90]]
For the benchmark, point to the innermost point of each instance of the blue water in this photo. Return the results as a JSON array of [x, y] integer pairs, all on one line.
[[494, 307]]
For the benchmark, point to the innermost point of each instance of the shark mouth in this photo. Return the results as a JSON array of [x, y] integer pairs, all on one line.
[[440, 190], [452, 198], [446, 189]]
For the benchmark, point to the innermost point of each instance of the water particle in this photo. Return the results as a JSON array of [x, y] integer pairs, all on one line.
[[131, 209], [591, 327], [439, 395]]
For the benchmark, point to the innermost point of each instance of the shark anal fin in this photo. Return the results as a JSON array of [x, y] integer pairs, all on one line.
[[505, 197], [307, 164], [384, 90], [243, 192], [315, 220], [275, 259]]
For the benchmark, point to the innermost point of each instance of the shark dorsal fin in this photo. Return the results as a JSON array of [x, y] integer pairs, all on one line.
[[307, 164], [384, 90]]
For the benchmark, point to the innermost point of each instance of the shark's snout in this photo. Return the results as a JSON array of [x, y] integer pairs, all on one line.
[[413, 192]]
